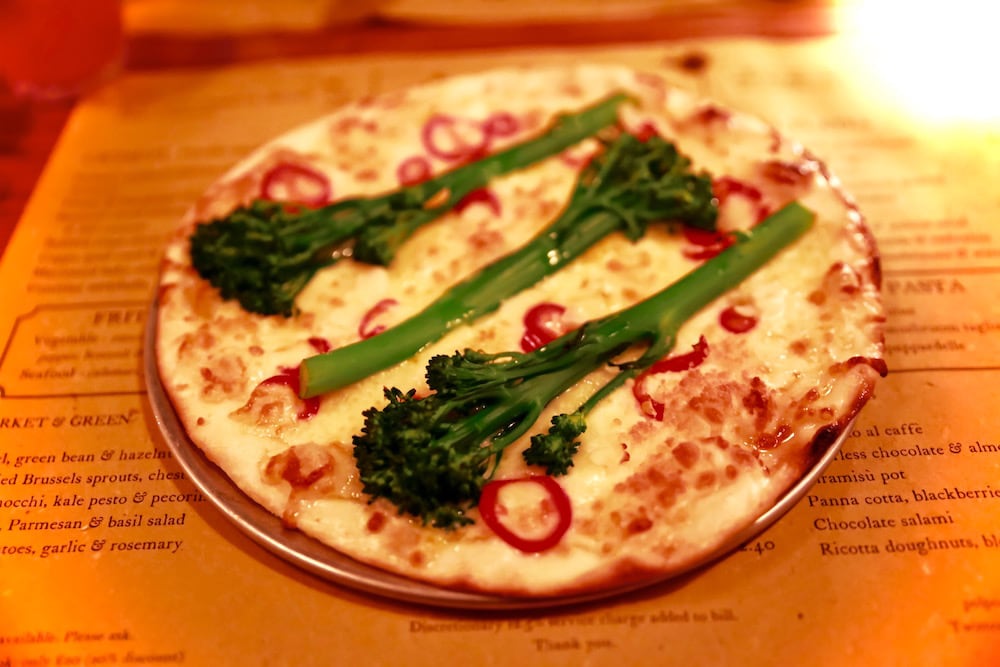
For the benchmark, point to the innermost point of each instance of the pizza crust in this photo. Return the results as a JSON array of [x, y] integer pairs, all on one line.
[[650, 496]]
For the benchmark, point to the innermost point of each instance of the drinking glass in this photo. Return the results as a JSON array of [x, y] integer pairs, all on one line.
[[56, 49]]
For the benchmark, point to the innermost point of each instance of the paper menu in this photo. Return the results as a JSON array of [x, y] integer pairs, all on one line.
[[108, 555]]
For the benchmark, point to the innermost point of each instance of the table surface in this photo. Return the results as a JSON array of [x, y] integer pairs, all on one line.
[[840, 577], [30, 129]]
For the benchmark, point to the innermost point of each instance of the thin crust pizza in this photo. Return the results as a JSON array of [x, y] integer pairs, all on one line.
[[680, 453]]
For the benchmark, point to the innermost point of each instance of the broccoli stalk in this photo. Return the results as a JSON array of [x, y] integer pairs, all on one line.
[[628, 185], [431, 456], [264, 254]]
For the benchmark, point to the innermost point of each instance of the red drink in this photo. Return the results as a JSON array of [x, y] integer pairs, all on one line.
[[58, 48]]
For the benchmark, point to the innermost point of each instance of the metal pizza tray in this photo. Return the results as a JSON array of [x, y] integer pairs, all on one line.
[[314, 557]]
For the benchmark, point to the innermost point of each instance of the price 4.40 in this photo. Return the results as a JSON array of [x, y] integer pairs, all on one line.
[[759, 547]]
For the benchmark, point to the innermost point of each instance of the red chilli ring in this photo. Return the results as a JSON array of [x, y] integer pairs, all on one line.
[[564, 511], [296, 184]]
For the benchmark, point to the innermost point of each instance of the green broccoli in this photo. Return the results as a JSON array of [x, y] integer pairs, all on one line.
[[431, 456], [624, 187], [264, 254]]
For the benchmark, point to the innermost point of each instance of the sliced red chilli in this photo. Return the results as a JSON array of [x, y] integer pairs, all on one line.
[[480, 196], [321, 345], [543, 323], [289, 377], [493, 513], [365, 328], [501, 124], [645, 132], [413, 170], [796, 174], [673, 364], [579, 156], [704, 245], [727, 187], [454, 139], [296, 184], [737, 319]]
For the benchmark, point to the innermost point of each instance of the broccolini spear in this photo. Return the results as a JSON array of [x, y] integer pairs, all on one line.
[[626, 186], [431, 456], [264, 254]]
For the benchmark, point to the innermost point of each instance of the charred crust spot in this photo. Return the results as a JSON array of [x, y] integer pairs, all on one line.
[[653, 484], [289, 519], [641, 430], [876, 269], [799, 347], [758, 402], [705, 480], [710, 401], [625, 453], [741, 457], [842, 278], [770, 440], [656, 477], [865, 240], [670, 491], [202, 340], [486, 334], [486, 239], [293, 475], [631, 294], [767, 441], [686, 454], [719, 442], [710, 114], [783, 172], [695, 62], [348, 123], [376, 522], [639, 524], [572, 89], [227, 376], [823, 439], [650, 80], [776, 140], [300, 465]]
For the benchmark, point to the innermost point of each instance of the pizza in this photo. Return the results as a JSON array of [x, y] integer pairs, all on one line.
[[674, 462]]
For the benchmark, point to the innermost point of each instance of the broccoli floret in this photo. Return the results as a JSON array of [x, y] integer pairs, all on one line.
[[431, 456], [554, 450], [265, 253], [626, 186]]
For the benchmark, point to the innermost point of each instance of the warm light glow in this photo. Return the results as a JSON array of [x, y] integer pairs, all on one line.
[[936, 60]]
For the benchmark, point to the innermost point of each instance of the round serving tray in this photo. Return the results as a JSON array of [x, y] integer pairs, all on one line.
[[312, 556]]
